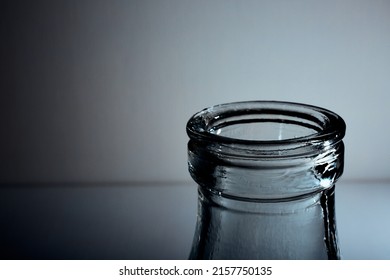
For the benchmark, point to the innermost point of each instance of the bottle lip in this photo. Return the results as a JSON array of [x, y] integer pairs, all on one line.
[[328, 127]]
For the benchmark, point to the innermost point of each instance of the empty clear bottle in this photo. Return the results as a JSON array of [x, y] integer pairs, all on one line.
[[266, 172]]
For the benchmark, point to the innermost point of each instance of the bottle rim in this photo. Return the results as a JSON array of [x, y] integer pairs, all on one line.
[[329, 128]]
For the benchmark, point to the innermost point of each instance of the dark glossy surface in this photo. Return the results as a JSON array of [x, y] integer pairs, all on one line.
[[155, 222]]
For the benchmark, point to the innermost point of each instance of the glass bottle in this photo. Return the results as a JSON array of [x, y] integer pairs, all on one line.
[[266, 174]]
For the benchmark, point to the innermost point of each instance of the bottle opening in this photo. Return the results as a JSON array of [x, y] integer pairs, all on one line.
[[264, 127], [265, 150], [265, 122]]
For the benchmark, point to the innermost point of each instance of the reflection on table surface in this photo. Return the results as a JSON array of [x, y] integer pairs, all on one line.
[[154, 221]]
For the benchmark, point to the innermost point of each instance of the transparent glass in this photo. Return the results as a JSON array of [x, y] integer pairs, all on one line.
[[266, 172]]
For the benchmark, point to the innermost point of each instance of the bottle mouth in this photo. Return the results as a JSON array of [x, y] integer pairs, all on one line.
[[267, 127], [265, 150]]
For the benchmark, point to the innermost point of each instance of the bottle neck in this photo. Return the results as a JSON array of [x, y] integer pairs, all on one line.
[[266, 172], [293, 229]]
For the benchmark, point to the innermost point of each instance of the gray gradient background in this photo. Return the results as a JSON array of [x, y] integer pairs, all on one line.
[[100, 91]]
